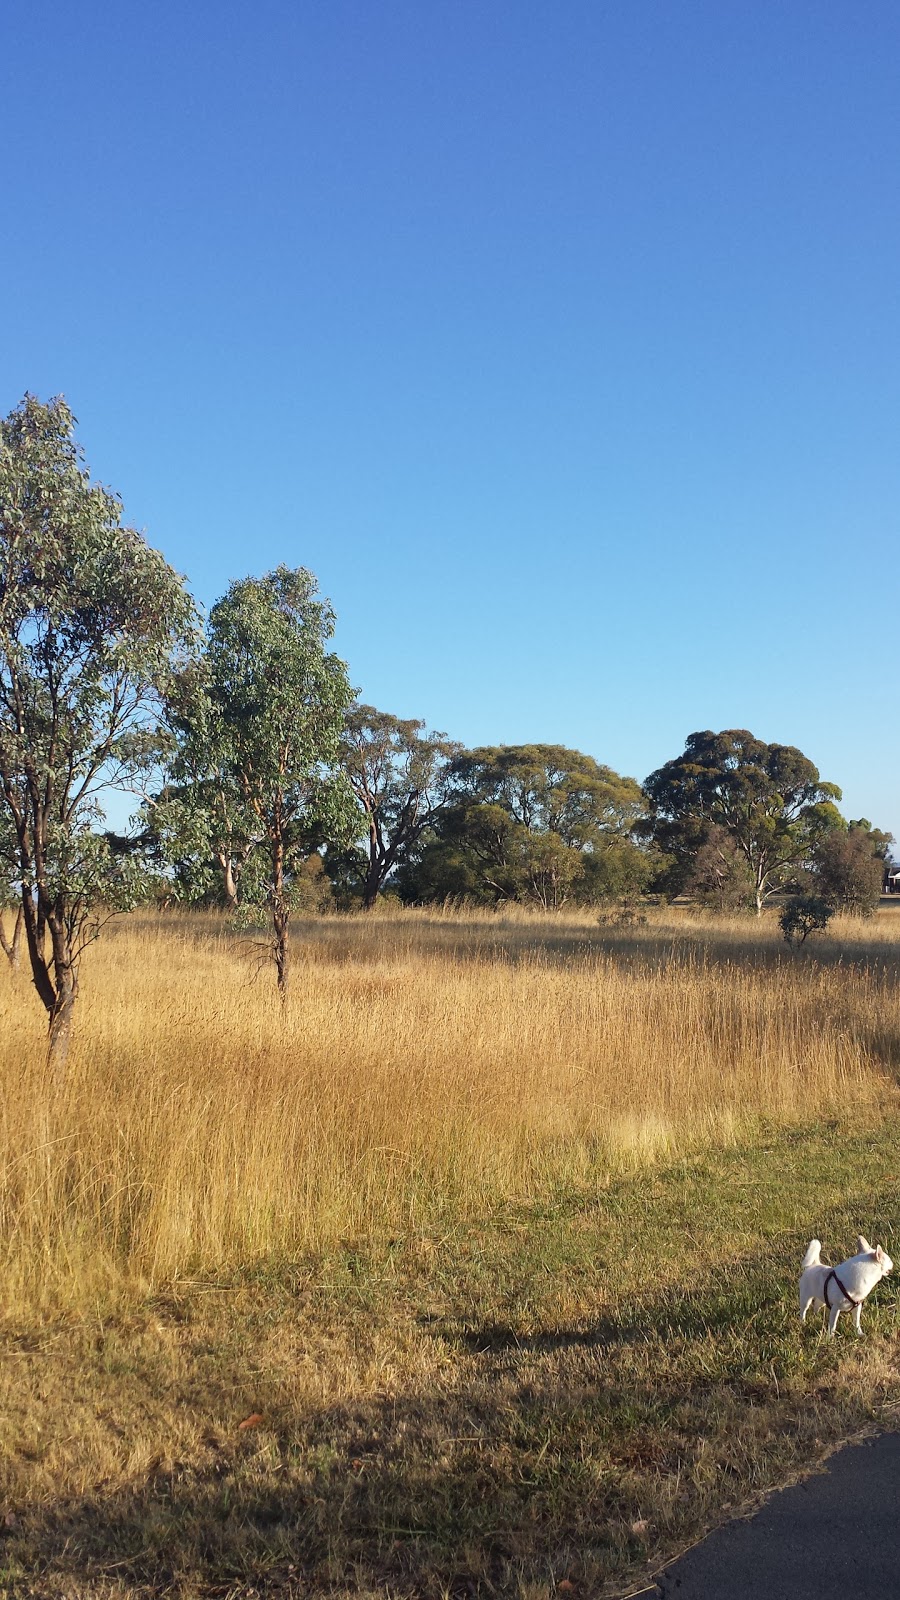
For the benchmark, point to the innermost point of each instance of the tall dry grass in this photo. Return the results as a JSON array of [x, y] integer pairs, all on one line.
[[428, 1065]]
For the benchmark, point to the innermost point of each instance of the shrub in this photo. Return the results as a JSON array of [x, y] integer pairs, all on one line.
[[802, 915]]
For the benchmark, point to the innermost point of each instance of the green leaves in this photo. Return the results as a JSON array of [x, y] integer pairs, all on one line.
[[538, 823], [277, 697]]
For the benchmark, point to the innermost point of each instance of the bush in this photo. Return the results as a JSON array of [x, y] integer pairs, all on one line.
[[849, 868], [802, 915]]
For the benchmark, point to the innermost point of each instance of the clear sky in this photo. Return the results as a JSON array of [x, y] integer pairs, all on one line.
[[559, 339]]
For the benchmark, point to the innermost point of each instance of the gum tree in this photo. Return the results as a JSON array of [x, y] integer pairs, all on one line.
[[538, 823], [276, 704], [766, 802], [398, 774], [92, 623]]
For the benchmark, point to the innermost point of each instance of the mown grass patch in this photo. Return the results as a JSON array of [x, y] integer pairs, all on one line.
[[558, 1393]]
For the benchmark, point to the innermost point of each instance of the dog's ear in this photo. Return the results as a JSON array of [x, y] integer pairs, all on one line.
[[879, 1255], [863, 1244]]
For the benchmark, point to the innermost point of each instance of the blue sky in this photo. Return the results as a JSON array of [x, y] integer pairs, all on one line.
[[560, 340]]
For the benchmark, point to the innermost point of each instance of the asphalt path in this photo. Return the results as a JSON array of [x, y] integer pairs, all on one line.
[[835, 1534]]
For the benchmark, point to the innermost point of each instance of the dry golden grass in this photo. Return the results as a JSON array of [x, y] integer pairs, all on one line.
[[429, 1067]]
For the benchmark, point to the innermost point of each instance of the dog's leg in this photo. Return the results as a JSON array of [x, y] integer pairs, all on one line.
[[832, 1320], [857, 1313], [805, 1308]]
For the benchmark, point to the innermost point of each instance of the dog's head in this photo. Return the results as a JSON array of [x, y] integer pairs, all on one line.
[[881, 1257]]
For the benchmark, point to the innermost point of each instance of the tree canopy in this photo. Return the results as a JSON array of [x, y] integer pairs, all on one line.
[[538, 823], [763, 804]]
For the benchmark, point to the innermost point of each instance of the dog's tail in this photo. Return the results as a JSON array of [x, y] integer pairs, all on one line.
[[813, 1257]]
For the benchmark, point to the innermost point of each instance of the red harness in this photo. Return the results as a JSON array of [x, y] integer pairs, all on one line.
[[828, 1306]]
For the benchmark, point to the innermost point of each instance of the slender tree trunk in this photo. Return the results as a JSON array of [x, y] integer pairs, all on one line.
[[280, 920], [65, 983], [373, 874], [228, 881], [372, 885], [56, 979], [35, 939], [282, 951], [12, 948], [60, 1029]]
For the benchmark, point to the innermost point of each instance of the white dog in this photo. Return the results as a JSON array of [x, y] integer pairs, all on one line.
[[839, 1288]]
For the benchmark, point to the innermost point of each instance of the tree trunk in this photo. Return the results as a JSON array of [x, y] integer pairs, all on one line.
[[56, 979], [373, 874], [12, 949], [60, 1031], [280, 920], [65, 983], [372, 885], [228, 881]]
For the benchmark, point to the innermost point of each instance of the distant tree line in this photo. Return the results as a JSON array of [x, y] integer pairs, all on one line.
[[267, 787]]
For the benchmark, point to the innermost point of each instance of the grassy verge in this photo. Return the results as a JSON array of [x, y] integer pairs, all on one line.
[[559, 1396]]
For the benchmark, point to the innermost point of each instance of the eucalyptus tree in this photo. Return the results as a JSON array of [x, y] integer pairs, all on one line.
[[276, 701], [766, 801], [93, 623], [538, 823], [399, 776]]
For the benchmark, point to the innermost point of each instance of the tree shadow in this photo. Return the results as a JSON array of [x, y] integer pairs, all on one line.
[[532, 1463], [697, 941]]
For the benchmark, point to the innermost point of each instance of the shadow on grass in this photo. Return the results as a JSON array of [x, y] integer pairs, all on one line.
[[465, 1492], [689, 945], [336, 940], [529, 1449], [537, 1462]]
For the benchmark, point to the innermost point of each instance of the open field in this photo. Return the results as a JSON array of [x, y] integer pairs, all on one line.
[[496, 1232]]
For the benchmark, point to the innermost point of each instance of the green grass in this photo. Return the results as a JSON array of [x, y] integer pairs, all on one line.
[[567, 1393]]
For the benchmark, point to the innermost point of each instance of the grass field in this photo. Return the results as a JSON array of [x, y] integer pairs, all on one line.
[[494, 1236]]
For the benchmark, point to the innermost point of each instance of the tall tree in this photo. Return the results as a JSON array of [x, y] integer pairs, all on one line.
[[399, 775], [767, 799], [277, 699], [92, 624]]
